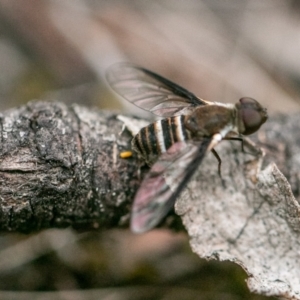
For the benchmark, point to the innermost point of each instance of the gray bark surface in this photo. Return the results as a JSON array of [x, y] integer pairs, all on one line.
[[252, 216], [60, 167]]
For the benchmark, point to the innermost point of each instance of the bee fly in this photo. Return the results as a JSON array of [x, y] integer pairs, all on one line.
[[176, 145]]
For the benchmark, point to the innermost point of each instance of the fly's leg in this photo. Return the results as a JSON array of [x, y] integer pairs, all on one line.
[[253, 147], [258, 152], [255, 150], [216, 155], [216, 139], [237, 139]]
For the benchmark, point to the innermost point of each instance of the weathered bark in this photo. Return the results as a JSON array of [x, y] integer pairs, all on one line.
[[251, 217], [60, 166]]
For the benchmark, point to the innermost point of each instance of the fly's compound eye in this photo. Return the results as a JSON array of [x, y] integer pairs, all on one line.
[[252, 114]]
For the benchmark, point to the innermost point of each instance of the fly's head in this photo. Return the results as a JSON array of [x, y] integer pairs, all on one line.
[[251, 115]]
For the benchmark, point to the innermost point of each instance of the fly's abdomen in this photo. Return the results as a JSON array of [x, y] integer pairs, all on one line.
[[159, 136]]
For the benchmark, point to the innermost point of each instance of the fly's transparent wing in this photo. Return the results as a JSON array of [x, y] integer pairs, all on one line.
[[151, 91], [164, 182]]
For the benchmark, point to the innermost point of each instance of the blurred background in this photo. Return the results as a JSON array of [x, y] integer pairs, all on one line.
[[58, 50]]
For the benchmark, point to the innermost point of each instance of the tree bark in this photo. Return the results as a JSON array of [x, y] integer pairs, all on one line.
[[60, 167]]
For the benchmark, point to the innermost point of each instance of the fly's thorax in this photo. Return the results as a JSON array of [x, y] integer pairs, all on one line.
[[211, 119], [159, 136]]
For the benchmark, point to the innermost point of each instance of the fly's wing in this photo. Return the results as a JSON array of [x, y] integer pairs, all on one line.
[[151, 91], [164, 182]]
